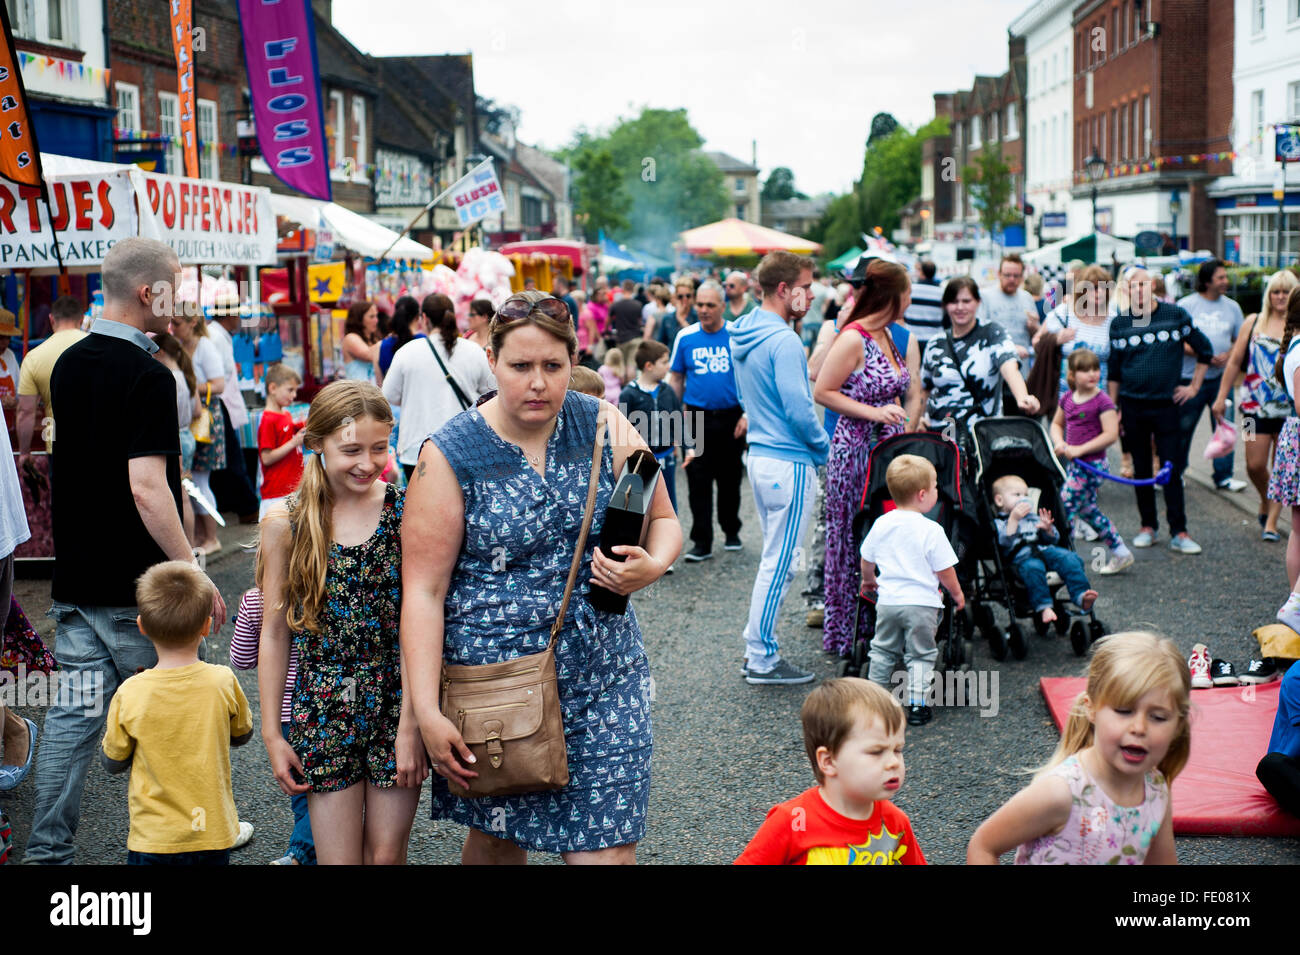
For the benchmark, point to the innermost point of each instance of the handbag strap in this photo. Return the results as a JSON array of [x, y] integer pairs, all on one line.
[[460, 395], [592, 484]]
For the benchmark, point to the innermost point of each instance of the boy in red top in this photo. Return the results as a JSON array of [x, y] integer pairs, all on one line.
[[853, 732], [279, 438]]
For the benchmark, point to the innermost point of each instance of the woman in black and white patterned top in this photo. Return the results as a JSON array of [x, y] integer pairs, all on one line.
[[962, 374]]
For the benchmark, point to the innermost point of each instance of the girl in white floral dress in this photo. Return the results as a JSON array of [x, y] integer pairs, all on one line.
[[1103, 798]]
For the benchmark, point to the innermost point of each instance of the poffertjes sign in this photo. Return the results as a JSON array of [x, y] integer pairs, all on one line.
[[90, 214], [206, 222], [211, 222]]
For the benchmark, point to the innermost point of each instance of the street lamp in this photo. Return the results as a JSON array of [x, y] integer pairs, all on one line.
[[1096, 168], [1175, 207]]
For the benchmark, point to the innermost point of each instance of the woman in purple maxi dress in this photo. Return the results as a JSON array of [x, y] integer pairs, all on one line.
[[878, 383]]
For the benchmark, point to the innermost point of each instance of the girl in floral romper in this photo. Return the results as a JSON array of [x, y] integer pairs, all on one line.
[[1103, 798], [332, 558]]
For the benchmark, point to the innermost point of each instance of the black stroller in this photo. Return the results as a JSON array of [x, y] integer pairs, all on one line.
[[955, 513], [1020, 446]]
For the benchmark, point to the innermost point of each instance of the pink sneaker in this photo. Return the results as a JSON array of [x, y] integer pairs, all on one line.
[[1199, 664]]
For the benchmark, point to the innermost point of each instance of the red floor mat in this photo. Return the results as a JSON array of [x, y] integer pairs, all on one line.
[[1217, 793]]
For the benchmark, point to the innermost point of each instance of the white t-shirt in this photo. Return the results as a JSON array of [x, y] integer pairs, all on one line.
[[1010, 311], [232, 396], [1289, 368], [13, 515], [908, 550], [207, 364], [417, 385]]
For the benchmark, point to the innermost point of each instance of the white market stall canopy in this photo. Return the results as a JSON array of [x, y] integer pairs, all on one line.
[[351, 230], [1097, 247], [94, 204]]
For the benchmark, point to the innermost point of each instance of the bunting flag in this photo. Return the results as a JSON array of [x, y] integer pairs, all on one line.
[[20, 156], [284, 84], [183, 47]]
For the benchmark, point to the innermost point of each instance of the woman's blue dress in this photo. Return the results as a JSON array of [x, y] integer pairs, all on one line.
[[506, 588]]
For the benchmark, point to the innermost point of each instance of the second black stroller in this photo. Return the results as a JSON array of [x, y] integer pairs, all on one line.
[[1020, 446]]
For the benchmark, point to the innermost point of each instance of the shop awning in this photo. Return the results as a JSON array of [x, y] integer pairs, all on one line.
[[351, 230]]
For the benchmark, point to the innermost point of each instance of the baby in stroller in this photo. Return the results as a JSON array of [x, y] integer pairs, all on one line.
[[1028, 542]]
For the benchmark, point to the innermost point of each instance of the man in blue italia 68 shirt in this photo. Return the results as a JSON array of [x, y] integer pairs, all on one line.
[[702, 376]]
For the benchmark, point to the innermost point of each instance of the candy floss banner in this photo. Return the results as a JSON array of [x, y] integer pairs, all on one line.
[[90, 213], [284, 82], [207, 221]]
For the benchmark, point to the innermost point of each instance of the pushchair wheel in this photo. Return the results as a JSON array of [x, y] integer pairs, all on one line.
[[1016, 641], [1040, 626], [1078, 638], [1062, 619], [983, 618], [997, 643], [1096, 630], [842, 667]]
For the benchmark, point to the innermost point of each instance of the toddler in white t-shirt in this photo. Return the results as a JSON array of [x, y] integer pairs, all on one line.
[[914, 558]]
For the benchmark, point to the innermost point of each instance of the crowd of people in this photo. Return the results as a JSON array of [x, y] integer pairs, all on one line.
[[375, 591]]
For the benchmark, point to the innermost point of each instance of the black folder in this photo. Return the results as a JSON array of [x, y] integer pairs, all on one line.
[[627, 520]]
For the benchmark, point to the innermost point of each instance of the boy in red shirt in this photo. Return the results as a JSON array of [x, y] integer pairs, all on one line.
[[279, 438], [853, 732]]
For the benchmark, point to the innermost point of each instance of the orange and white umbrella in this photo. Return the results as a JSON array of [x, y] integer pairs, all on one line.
[[737, 237]]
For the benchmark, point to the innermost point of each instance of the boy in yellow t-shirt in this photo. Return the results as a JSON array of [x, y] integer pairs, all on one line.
[[173, 726]]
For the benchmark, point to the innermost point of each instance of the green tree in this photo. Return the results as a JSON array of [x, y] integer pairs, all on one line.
[[669, 183], [988, 182], [882, 124], [600, 200], [780, 185]]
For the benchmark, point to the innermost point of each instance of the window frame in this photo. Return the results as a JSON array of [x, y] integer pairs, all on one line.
[[1258, 18], [359, 139], [209, 159], [175, 154], [118, 89], [339, 118]]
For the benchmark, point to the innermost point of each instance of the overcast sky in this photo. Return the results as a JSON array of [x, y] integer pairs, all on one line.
[[804, 78]]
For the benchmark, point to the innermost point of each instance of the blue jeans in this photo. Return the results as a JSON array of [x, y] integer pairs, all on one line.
[[1190, 415], [1033, 568], [96, 649], [205, 857], [668, 469], [301, 845]]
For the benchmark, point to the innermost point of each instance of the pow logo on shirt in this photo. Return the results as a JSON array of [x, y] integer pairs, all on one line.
[[882, 848]]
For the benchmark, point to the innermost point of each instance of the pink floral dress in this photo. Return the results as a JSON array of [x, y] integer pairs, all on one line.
[[1099, 832]]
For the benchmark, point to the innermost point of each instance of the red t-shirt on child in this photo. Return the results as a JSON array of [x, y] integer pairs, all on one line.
[[282, 477], [807, 831]]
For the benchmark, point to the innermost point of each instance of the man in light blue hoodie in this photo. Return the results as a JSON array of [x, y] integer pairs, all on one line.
[[786, 445]]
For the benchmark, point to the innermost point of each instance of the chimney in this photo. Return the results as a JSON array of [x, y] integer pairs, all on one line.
[[324, 8], [754, 151]]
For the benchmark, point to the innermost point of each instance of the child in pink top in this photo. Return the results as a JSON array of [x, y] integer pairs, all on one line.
[[1086, 424], [1103, 798]]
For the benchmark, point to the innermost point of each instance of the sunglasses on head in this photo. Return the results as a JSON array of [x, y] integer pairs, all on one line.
[[517, 307]]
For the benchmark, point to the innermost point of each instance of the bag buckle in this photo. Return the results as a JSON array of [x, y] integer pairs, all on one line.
[[492, 729]]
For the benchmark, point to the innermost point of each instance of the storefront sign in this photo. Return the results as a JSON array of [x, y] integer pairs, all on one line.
[[206, 221], [90, 214], [284, 84]]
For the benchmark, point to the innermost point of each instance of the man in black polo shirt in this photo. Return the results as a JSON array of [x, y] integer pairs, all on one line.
[[1145, 368], [117, 512]]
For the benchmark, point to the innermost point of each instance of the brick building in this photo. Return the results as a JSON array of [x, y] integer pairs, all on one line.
[[992, 112], [1153, 99], [144, 91], [935, 202]]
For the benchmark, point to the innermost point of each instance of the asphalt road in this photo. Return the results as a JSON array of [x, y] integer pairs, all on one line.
[[725, 751]]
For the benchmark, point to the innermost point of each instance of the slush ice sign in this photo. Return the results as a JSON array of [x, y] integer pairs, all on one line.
[[477, 195], [284, 81]]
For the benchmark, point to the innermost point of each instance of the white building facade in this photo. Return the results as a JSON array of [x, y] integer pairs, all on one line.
[[1049, 40], [1266, 93]]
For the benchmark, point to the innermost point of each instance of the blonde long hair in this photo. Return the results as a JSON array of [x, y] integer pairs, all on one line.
[[1125, 667], [338, 405], [1285, 279]]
